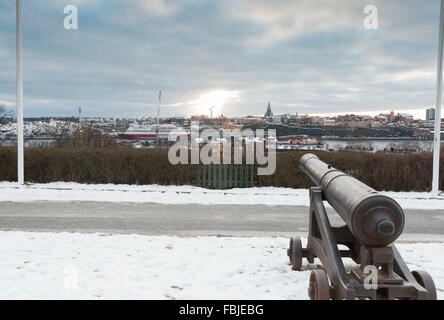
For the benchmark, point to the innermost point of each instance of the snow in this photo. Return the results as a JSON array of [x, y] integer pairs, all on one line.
[[65, 191], [39, 128], [100, 266]]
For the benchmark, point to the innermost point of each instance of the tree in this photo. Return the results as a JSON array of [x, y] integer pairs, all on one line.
[[61, 131], [4, 113]]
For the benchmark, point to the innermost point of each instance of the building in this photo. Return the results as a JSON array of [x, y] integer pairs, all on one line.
[[316, 120], [329, 122], [269, 113], [80, 115], [233, 126], [392, 116], [381, 118], [299, 139], [422, 132], [249, 119], [430, 114], [276, 119], [406, 117], [220, 122]]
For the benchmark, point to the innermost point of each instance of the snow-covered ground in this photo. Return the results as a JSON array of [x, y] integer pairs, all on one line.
[[99, 266], [39, 128], [63, 191]]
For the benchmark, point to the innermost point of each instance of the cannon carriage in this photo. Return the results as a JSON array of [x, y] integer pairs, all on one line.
[[372, 223]]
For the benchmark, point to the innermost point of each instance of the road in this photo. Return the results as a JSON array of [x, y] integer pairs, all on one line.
[[187, 220]]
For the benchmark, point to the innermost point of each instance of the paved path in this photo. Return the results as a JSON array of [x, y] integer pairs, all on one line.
[[160, 219]]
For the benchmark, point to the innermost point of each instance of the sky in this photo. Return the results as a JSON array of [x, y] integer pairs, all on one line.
[[304, 56]]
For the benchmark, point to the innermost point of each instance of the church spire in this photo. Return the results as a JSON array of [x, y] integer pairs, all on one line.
[[269, 113]]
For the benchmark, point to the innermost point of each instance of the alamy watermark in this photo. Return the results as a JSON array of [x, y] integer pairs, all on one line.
[[71, 21], [211, 146], [371, 278], [371, 17]]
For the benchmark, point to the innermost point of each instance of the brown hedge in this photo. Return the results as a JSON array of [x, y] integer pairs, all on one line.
[[412, 172], [395, 172]]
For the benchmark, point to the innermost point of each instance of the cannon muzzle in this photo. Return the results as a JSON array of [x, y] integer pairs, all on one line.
[[374, 219]]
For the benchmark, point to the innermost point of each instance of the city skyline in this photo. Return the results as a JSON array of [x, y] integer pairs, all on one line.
[[313, 57], [420, 114]]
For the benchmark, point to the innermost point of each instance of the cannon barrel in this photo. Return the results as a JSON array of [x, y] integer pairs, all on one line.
[[374, 219]]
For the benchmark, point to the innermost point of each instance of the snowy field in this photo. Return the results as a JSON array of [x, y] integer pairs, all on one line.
[[62, 191], [98, 266]]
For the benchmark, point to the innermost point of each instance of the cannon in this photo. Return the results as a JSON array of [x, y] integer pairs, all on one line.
[[372, 222]]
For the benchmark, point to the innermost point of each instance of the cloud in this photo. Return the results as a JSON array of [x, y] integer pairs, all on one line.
[[282, 20], [155, 7], [303, 56]]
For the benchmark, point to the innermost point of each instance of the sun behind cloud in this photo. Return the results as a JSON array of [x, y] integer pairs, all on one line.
[[215, 99]]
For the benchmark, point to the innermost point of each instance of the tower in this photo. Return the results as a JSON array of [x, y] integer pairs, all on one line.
[[80, 115], [430, 114], [269, 113]]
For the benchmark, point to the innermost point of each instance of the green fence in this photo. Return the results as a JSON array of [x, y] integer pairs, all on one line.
[[223, 176]]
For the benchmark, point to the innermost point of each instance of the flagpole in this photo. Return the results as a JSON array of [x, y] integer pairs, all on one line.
[[437, 138], [20, 144], [158, 109]]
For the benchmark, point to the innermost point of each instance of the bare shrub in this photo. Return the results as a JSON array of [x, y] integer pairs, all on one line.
[[411, 172]]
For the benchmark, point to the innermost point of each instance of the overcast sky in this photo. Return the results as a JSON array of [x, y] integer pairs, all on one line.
[[308, 56]]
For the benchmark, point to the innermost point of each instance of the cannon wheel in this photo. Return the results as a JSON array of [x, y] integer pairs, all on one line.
[[319, 288], [425, 280], [295, 253]]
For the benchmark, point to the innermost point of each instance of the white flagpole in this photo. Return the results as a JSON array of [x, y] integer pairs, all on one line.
[[437, 138], [20, 147], [158, 110]]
